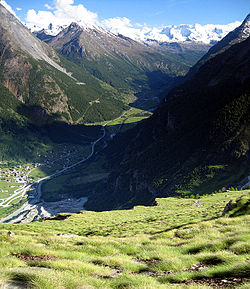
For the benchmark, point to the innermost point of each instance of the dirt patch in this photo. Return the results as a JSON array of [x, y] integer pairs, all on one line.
[[204, 264], [113, 276], [217, 282], [14, 285], [28, 258], [148, 261], [196, 267], [147, 272]]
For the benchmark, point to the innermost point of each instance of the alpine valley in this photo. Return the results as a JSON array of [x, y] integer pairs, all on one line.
[[124, 158]]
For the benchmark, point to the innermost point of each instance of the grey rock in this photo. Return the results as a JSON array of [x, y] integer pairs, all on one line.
[[11, 234], [227, 208]]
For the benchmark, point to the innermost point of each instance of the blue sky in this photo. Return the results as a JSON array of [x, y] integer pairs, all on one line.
[[153, 12]]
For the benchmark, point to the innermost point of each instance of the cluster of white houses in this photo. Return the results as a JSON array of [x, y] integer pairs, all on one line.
[[18, 174]]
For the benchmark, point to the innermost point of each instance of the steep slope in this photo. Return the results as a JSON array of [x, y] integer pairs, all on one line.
[[39, 77], [39, 87], [196, 142], [238, 35], [125, 64]]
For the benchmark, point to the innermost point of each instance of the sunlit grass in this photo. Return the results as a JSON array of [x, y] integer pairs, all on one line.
[[147, 247]]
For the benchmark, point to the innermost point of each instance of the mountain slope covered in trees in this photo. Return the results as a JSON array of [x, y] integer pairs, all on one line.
[[196, 142]]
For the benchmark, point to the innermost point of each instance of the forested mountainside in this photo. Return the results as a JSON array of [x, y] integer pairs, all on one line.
[[37, 76], [39, 86], [196, 142]]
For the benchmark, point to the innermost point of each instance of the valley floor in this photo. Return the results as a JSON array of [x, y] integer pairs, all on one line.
[[180, 243], [22, 184]]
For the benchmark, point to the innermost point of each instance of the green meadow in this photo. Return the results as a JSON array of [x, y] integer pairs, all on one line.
[[179, 243]]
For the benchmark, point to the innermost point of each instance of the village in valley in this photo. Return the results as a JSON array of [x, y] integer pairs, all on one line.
[[15, 176]]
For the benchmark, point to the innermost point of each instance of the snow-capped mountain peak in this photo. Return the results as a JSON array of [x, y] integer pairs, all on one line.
[[51, 29], [246, 27], [209, 33]]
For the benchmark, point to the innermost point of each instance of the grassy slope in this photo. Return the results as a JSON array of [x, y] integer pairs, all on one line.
[[111, 102], [181, 243]]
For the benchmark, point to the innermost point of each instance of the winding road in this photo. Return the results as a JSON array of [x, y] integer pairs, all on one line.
[[35, 208], [35, 204]]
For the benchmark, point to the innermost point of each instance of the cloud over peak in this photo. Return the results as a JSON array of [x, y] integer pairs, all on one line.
[[8, 7], [123, 25], [63, 14], [48, 6]]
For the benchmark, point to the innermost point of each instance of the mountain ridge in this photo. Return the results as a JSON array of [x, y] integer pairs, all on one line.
[[207, 34], [238, 35], [122, 62]]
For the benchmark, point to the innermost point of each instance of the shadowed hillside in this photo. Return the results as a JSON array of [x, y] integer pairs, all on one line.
[[196, 142]]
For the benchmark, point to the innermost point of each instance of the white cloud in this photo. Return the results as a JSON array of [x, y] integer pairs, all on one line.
[[64, 13], [123, 25], [48, 6], [8, 7], [40, 18], [18, 9], [63, 3]]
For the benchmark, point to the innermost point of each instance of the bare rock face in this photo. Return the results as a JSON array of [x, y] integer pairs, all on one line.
[[19, 39], [17, 72]]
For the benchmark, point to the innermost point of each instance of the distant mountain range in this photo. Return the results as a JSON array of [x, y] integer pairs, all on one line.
[[125, 64], [207, 34]]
